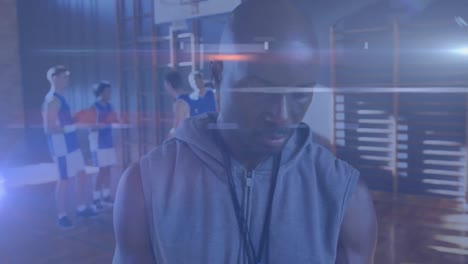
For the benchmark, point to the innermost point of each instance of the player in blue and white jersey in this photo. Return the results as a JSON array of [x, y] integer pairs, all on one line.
[[101, 143], [64, 146]]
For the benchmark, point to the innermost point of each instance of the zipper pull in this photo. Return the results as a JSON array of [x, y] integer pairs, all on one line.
[[248, 179]]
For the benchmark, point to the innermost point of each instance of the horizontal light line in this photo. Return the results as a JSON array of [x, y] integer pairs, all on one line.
[[441, 143], [374, 130], [240, 48], [451, 250], [371, 139], [442, 182], [368, 157], [442, 152], [444, 162], [185, 63], [455, 218], [371, 112], [380, 149], [444, 172], [342, 90], [375, 121], [445, 192], [78, 126], [458, 240]]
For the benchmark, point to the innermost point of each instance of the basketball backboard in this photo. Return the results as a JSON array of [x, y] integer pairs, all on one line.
[[170, 11]]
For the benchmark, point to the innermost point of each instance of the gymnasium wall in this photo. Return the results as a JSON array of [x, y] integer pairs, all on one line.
[[324, 14], [82, 35], [11, 107], [77, 33]]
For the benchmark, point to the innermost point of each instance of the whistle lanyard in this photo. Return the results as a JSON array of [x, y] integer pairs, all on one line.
[[253, 256]]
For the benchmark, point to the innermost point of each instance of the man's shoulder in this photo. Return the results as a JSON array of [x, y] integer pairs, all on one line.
[[210, 91], [51, 102], [181, 102], [157, 163], [326, 163], [164, 155], [336, 178], [166, 150], [131, 177]]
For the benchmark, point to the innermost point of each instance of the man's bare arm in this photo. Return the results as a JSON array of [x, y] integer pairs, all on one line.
[[358, 234], [133, 244], [181, 112], [94, 113], [114, 117], [51, 116]]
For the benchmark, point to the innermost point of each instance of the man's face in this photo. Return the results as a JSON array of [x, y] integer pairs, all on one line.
[[267, 96], [168, 87], [106, 94], [199, 82], [62, 80]]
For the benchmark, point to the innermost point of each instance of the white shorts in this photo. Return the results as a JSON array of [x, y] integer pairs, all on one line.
[[69, 164], [104, 157]]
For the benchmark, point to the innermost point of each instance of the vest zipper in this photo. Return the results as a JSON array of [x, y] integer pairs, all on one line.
[[248, 202]]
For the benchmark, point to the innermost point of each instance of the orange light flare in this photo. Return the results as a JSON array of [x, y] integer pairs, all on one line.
[[277, 57], [229, 57]]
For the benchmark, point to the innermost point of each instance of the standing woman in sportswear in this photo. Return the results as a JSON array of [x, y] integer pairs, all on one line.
[[101, 143]]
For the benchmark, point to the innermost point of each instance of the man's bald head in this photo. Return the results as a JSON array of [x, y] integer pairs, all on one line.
[[269, 51], [277, 20], [265, 34]]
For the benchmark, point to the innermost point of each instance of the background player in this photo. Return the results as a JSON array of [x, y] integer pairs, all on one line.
[[64, 146], [101, 143]]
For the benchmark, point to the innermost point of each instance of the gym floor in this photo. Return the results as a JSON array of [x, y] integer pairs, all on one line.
[[411, 230], [29, 233]]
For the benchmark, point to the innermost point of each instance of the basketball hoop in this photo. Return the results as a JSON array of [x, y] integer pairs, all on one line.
[[167, 11], [179, 25], [194, 3]]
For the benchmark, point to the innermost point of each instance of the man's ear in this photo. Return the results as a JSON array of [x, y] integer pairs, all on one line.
[[216, 72]]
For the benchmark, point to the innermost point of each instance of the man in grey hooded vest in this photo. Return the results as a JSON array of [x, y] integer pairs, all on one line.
[[249, 185]]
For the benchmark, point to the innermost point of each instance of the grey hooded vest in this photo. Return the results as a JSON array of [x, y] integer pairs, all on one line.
[[191, 214]]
